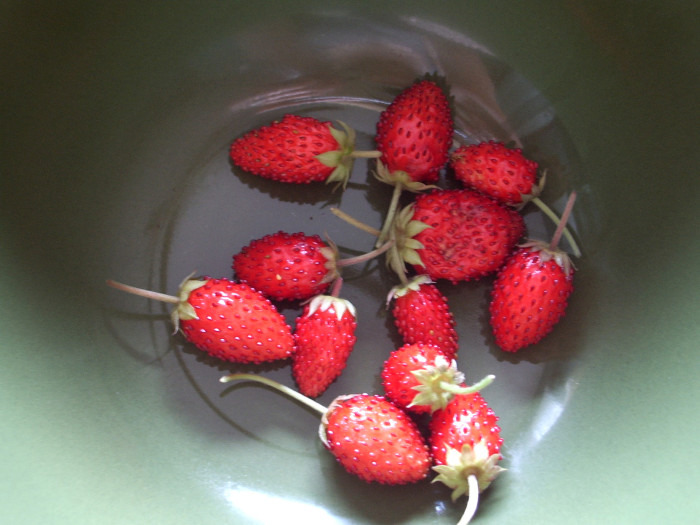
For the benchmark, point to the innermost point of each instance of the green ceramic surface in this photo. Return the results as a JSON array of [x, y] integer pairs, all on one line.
[[116, 120]]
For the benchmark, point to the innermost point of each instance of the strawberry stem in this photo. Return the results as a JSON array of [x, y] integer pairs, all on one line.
[[354, 222], [564, 219], [335, 289], [318, 407], [456, 389], [389, 219], [553, 216], [365, 256], [472, 502], [148, 294], [371, 154]]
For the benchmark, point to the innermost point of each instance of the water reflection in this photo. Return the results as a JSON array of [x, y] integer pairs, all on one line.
[[259, 507], [552, 405]]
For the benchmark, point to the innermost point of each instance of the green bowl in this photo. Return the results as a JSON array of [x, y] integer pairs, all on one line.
[[117, 121]]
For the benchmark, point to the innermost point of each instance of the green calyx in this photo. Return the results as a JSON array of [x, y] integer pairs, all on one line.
[[470, 461], [405, 249], [324, 302], [344, 157], [184, 310], [440, 382], [410, 286]]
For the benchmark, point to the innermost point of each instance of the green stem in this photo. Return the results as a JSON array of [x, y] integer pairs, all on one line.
[[318, 407], [148, 294], [372, 154], [564, 219], [456, 389], [389, 219], [472, 502], [354, 222], [365, 256], [553, 216]]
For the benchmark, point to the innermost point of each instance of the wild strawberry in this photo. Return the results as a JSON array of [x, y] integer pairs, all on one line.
[[414, 134], [500, 172], [465, 443], [370, 437], [228, 320], [298, 150], [324, 338], [457, 235], [504, 174], [375, 440], [287, 265], [531, 292], [422, 315], [420, 378]]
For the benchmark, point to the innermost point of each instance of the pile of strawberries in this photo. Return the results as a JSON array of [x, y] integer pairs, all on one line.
[[447, 235]]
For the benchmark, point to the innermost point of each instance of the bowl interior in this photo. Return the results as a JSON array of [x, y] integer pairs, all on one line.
[[118, 161]]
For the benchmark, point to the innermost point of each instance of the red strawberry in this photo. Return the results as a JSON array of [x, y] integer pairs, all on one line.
[[399, 375], [422, 315], [298, 150], [287, 265], [500, 172], [323, 339], [369, 436], [465, 443], [375, 440], [228, 320], [530, 296], [531, 291], [414, 133], [421, 379], [457, 235], [504, 174]]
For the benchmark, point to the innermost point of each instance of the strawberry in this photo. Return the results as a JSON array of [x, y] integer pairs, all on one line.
[[369, 436], [457, 235], [504, 174], [422, 315], [465, 442], [530, 295], [287, 265], [298, 150], [228, 320], [414, 133], [500, 172], [531, 291], [375, 440], [421, 379], [323, 340]]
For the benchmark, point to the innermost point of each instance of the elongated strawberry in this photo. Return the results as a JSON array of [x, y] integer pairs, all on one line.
[[287, 265], [370, 437], [228, 320], [375, 440], [496, 170], [457, 235], [298, 150], [531, 292], [422, 315], [465, 442], [414, 134], [324, 337], [420, 378]]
